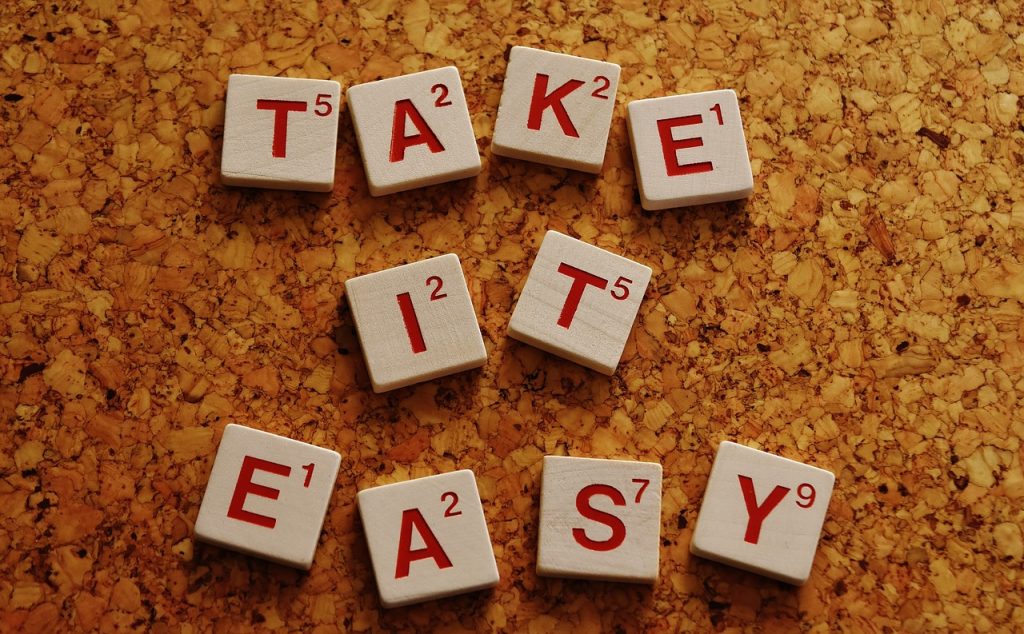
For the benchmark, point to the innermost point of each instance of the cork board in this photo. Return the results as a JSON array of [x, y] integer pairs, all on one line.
[[861, 312]]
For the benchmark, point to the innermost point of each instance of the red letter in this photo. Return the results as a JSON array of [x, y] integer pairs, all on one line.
[[609, 520], [431, 549], [406, 109], [245, 486], [758, 513], [580, 280], [281, 110], [541, 102], [669, 146], [412, 323]]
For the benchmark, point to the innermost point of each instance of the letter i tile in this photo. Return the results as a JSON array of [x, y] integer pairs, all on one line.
[[579, 302], [600, 519], [267, 496], [762, 513], [415, 322], [427, 538], [280, 132]]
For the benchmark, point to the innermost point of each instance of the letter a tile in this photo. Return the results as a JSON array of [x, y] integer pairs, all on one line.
[[267, 496], [556, 109], [427, 538], [579, 302], [280, 132], [415, 322], [689, 149], [414, 130], [762, 513], [600, 519]]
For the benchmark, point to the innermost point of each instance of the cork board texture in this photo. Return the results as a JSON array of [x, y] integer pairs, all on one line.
[[862, 311]]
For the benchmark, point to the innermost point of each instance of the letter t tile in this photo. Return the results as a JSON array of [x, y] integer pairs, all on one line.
[[579, 302]]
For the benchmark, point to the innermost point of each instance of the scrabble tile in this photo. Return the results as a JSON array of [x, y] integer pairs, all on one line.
[[762, 513], [414, 130], [600, 519], [280, 132], [579, 302], [427, 538], [415, 322], [689, 149], [267, 496], [555, 109]]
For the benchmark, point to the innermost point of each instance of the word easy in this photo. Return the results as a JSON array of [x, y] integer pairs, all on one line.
[[599, 519]]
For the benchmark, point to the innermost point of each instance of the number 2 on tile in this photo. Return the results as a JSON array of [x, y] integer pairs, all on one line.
[[442, 95], [436, 294], [454, 497]]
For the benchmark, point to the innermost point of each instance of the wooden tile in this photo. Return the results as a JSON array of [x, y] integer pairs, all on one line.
[[414, 130], [555, 109], [280, 132], [579, 302], [427, 538], [762, 513], [689, 149], [416, 322], [267, 496], [600, 519]]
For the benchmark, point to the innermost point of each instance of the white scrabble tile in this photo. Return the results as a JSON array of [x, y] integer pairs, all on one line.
[[267, 496], [579, 302], [762, 513], [280, 132], [600, 519], [689, 149], [555, 109], [427, 538], [415, 322], [414, 130]]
